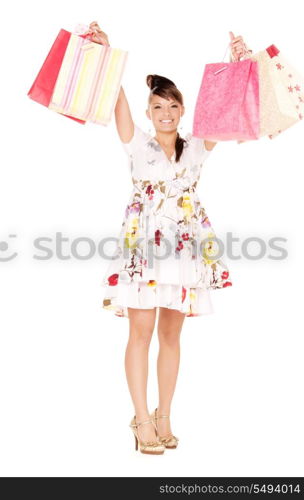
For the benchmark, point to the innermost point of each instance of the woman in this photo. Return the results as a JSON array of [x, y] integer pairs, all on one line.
[[163, 203]]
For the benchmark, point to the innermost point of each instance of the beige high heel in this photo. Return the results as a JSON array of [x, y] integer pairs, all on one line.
[[149, 447], [169, 441]]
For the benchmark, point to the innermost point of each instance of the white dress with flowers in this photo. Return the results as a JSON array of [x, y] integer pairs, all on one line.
[[165, 255]]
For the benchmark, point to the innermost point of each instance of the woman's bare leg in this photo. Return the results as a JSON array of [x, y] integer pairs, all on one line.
[[169, 328], [141, 322]]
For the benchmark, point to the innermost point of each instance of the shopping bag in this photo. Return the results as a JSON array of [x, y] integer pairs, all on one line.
[[281, 92], [80, 78], [227, 105], [42, 89], [89, 79]]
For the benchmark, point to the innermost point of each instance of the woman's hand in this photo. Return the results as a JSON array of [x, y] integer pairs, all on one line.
[[98, 36], [237, 46]]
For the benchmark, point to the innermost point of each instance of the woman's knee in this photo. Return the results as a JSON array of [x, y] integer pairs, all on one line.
[[140, 337], [169, 337], [142, 322], [169, 326]]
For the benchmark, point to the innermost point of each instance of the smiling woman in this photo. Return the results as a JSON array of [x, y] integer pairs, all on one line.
[[165, 109], [167, 255]]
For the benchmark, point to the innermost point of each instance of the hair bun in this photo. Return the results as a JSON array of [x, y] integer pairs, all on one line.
[[149, 81], [159, 81]]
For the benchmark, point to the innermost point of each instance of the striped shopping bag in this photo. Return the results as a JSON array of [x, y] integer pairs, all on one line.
[[88, 79], [42, 89]]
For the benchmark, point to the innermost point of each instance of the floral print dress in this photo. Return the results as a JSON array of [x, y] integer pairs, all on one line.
[[166, 254]]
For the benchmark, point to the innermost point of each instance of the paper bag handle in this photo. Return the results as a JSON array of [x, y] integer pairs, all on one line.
[[248, 52]]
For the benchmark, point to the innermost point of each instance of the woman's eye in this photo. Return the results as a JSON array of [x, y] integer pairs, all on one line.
[[174, 106]]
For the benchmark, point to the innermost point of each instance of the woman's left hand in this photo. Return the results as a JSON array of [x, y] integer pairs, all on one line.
[[98, 36], [237, 46]]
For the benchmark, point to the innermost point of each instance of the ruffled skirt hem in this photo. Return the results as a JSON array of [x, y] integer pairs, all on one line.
[[147, 295]]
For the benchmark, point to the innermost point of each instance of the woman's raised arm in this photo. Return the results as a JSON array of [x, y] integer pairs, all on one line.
[[123, 117]]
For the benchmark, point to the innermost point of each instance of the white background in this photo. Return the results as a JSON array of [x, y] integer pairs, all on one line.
[[238, 406]]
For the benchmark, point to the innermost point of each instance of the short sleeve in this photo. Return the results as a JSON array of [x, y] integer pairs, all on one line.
[[197, 145], [138, 141]]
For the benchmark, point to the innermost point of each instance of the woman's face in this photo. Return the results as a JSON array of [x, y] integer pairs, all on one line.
[[165, 114]]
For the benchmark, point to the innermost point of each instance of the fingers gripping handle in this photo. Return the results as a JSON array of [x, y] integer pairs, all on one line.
[[233, 57]]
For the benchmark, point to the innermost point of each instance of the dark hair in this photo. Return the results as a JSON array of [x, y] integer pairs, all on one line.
[[165, 88]]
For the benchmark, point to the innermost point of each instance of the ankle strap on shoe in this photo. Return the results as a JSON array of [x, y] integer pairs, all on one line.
[[137, 424], [156, 415]]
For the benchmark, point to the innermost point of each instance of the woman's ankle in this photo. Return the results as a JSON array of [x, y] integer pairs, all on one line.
[[163, 410], [142, 416]]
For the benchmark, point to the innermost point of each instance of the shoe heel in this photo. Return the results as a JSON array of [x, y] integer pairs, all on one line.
[[151, 447]]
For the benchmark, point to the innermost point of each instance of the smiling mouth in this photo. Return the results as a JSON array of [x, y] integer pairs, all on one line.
[[166, 121]]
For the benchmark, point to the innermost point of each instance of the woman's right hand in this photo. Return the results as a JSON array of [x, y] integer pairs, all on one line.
[[98, 36]]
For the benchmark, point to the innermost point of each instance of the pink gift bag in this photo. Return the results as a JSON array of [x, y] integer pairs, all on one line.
[[227, 105]]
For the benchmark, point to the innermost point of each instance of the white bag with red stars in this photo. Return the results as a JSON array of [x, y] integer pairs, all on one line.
[[281, 92]]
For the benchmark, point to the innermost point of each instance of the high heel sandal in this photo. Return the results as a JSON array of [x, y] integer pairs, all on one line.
[[149, 447], [169, 441]]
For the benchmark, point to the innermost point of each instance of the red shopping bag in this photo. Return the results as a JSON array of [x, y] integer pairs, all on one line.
[[42, 89]]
